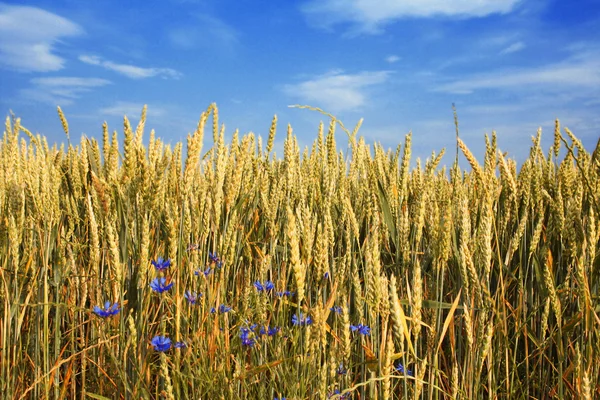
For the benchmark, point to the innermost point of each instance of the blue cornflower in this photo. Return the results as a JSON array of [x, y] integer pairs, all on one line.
[[159, 285], [336, 309], [212, 310], [341, 370], [272, 331], [400, 368], [302, 320], [206, 272], [337, 392], [214, 258], [244, 332], [192, 297], [277, 398], [161, 264], [161, 343], [362, 329], [107, 311], [180, 345], [267, 287], [223, 309], [285, 293], [326, 276]]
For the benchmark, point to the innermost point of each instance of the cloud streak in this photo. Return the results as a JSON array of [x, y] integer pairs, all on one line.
[[130, 109], [130, 71], [583, 73], [371, 15], [392, 59], [207, 30], [513, 48], [61, 90], [337, 91], [28, 36]]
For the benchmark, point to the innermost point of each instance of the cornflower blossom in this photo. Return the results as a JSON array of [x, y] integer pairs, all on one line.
[[337, 392], [206, 272], [336, 309], [245, 337], [108, 310], [214, 258], [277, 398], [180, 345], [161, 264], [405, 371], [223, 309], [244, 332], [192, 298], [161, 343], [159, 285], [266, 330], [285, 293], [326, 276], [301, 320], [360, 328], [341, 370], [267, 287]]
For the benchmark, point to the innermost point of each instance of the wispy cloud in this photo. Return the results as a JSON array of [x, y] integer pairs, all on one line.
[[131, 109], [28, 36], [206, 30], [337, 91], [130, 71], [371, 15], [581, 72], [61, 90], [392, 59], [513, 48]]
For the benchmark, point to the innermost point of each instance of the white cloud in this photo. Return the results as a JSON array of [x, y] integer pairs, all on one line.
[[207, 30], [131, 109], [61, 90], [28, 36], [578, 72], [337, 91], [130, 71], [370, 15], [513, 48], [392, 59]]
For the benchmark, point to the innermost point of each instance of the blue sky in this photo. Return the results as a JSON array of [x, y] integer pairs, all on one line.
[[508, 65]]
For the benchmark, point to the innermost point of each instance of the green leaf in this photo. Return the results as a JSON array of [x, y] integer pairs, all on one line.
[[97, 396]]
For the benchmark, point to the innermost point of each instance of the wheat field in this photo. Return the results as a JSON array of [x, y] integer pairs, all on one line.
[[130, 273]]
